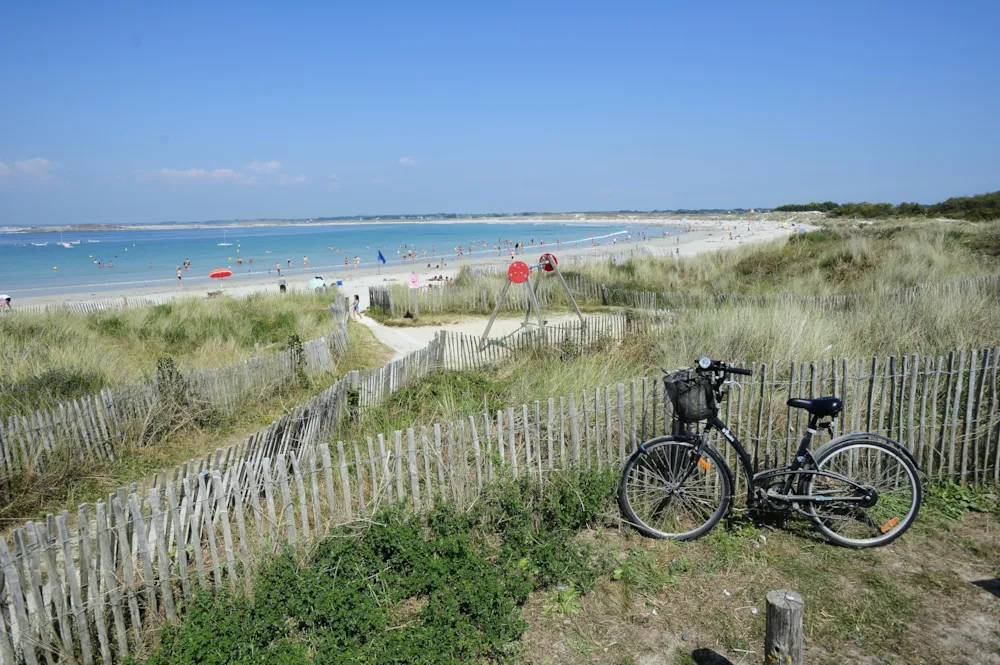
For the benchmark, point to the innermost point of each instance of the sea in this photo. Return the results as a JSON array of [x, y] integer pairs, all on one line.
[[35, 264]]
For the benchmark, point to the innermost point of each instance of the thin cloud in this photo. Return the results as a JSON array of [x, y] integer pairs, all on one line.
[[36, 167], [263, 167], [407, 162], [6, 170], [291, 180], [334, 182], [201, 175]]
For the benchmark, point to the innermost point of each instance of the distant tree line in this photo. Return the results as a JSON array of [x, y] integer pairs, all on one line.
[[974, 208]]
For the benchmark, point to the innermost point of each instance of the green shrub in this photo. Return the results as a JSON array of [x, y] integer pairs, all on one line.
[[444, 588]]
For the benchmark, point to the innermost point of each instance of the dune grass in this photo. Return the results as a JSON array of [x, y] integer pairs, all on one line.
[[842, 257], [929, 325], [538, 375], [67, 480], [47, 358]]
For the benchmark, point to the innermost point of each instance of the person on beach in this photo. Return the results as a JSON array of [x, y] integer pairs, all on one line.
[[5, 303], [289, 262], [180, 281], [356, 307], [305, 261], [277, 266]]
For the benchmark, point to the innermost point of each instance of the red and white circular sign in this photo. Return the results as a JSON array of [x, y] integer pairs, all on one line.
[[518, 272]]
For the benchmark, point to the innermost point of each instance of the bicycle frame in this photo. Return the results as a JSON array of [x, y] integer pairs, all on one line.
[[803, 454]]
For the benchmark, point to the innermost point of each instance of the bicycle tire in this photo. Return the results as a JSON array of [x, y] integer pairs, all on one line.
[[654, 456], [886, 519]]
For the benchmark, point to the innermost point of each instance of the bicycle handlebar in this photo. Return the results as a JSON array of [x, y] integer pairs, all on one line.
[[708, 365]]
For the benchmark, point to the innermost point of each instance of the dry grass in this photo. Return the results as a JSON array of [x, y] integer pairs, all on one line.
[[154, 446], [931, 324], [843, 257], [540, 374], [674, 603], [47, 358]]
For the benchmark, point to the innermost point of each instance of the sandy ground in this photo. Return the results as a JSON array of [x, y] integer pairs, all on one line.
[[407, 340], [703, 236]]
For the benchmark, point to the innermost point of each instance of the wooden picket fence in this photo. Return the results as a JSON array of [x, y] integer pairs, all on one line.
[[98, 586], [78, 592], [97, 425], [479, 296]]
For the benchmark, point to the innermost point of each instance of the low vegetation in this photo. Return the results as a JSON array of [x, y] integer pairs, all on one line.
[[839, 258], [445, 588], [67, 480], [545, 574], [981, 207], [51, 357], [542, 373]]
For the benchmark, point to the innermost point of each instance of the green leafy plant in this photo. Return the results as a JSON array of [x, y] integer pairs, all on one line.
[[953, 500], [447, 587], [562, 602]]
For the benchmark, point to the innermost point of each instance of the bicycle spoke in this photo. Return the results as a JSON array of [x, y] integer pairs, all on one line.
[[868, 468], [668, 492]]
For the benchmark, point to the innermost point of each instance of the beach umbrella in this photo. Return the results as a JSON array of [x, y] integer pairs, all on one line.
[[220, 273]]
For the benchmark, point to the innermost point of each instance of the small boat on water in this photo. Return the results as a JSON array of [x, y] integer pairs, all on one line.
[[224, 243], [65, 244], [39, 244], [94, 241]]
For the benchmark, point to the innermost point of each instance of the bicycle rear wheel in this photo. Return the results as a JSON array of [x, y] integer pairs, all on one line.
[[666, 491], [869, 468]]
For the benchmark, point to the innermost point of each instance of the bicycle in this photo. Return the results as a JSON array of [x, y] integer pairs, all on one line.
[[860, 490]]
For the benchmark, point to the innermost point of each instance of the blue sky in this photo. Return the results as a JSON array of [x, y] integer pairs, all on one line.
[[131, 112]]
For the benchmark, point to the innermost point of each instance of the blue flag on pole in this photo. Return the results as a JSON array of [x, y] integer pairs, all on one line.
[[380, 257]]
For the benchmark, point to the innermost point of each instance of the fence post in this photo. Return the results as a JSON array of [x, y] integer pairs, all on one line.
[[784, 637]]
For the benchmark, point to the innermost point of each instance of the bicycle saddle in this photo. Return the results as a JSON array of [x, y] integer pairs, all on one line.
[[821, 406]]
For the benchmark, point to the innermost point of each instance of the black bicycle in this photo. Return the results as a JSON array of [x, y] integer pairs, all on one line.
[[861, 489]]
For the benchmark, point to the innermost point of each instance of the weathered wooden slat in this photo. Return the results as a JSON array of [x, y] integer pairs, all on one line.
[[77, 607], [301, 492], [20, 614], [345, 482], [411, 459], [109, 578]]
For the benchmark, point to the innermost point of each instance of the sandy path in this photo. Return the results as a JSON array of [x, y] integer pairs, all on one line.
[[407, 340]]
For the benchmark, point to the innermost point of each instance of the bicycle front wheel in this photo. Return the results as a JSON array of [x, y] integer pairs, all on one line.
[[667, 491], [869, 492]]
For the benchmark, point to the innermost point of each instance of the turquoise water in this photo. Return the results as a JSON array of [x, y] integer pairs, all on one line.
[[150, 258]]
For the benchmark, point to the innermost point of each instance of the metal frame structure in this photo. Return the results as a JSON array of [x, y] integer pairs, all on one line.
[[519, 272]]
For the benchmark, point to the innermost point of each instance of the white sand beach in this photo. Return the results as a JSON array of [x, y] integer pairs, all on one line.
[[701, 236]]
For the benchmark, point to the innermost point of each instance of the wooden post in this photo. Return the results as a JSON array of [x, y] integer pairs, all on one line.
[[784, 638]]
